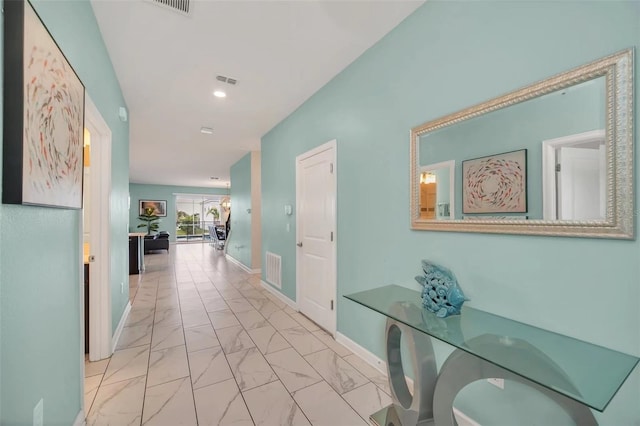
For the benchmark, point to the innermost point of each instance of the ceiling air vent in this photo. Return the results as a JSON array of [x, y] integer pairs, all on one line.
[[227, 80], [180, 6]]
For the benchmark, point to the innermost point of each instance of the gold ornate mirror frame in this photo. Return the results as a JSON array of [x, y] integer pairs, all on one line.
[[619, 222]]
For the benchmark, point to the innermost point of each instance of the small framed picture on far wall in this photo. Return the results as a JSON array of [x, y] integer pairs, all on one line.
[[159, 206]]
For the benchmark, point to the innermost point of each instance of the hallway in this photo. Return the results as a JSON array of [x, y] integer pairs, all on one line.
[[205, 344]]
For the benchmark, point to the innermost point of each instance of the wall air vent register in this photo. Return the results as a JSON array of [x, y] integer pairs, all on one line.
[[181, 6], [227, 80]]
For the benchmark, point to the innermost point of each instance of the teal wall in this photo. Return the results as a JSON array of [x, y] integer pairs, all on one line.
[[445, 57], [522, 126], [40, 252], [138, 191], [239, 245]]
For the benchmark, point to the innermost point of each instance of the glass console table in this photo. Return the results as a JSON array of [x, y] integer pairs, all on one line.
[[575, 374]]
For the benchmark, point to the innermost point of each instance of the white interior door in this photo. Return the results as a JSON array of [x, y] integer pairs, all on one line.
[[316, 235], [99, 236], [571, 179], [580, 184]]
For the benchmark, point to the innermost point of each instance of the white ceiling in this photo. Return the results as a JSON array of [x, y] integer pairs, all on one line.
[[281, 52]]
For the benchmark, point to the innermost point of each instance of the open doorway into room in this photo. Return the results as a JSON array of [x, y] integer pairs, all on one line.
[[574, 181]]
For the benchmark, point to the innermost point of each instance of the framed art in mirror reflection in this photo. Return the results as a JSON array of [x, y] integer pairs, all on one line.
[[495, 183]]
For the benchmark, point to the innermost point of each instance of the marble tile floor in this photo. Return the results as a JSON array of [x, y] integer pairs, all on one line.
[[205, 344]]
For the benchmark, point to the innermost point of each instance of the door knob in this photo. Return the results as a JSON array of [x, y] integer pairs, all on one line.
[[299, 244]]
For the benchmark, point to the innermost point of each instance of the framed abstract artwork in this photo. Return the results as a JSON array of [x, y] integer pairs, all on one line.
[[43, 115], [494, 217], [495, 184], [159, 207]]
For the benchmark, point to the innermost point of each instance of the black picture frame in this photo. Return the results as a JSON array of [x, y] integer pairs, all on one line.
[[159, 207], [43, 134]]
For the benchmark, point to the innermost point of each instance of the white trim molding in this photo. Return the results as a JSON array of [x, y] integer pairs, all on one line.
[[380, 365], [271, 289], [549, 148], [372, 359], [451, 165], [80, 419], [463, 419], [241, 265], [118, 332], [99, 201]]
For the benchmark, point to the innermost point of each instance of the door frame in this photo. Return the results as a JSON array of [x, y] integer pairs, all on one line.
[[333, 146], [549, 148], [451, 164], [100, 332]]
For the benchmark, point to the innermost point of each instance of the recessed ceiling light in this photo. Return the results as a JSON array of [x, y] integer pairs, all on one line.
[[219, 94], [206, 130]]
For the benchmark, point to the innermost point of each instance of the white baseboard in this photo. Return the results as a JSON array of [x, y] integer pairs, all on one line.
[[118, 332], [380, 365], [226, 243], [279, 295], [242, 265], [363, 353], [80, 421], [463, 419]]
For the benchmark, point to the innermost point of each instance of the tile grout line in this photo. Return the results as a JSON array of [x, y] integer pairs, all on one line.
[[279, 379], [322, 379], [222, 349], [88, 412], [184, 335], [319, 374], [146, 378], [224, 354], [233, 279]]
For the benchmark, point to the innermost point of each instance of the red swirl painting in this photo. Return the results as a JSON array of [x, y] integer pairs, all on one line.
[[53, 121], [43, 132], [495, 184]]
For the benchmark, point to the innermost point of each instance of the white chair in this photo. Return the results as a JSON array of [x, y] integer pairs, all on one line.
[[217, 238]]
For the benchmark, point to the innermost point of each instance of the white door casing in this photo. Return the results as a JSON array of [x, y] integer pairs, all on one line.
[[550, 149], [100, 235], [316, 281]]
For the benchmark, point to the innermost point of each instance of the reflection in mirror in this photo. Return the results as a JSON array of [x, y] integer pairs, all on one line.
[[576, 131], [526, 125], [574, 177], [437, 190]]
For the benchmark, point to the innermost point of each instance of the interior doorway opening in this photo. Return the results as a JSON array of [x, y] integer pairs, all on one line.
[[95, 237], [574, 185]]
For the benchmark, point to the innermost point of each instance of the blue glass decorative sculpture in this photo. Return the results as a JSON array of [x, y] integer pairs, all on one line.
[[441, 293]]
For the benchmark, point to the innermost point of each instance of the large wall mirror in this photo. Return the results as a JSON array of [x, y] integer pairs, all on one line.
[[553, 158]]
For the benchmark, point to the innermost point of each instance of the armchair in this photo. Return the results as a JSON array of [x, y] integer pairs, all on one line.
[[217, 236]]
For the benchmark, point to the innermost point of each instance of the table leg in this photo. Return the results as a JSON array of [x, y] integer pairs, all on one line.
[[434, 394], [408, 409], [141, 254], [462, 368]]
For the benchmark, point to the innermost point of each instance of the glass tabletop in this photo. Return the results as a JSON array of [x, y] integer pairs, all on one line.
[[587, 373]]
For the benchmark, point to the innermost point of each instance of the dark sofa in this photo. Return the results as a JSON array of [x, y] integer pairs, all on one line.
[[160, 241]]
